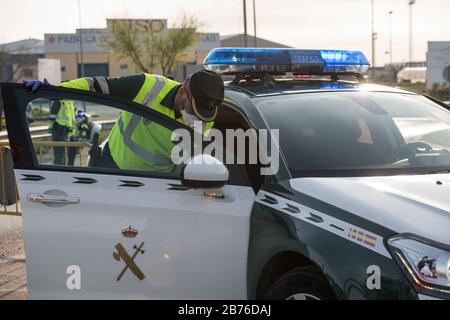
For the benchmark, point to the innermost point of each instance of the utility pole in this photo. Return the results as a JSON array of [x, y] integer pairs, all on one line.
[[411, 53], [254, 24], [374, 37], [390, 37], [81, 40], [245, 25]]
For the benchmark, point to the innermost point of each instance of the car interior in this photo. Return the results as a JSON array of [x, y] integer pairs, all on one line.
[[229, 118]]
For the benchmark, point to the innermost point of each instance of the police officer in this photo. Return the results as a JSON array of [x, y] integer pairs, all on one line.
[[137, 144], [62, 127]]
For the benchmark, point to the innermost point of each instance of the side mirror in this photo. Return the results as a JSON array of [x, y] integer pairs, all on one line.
[[204, 172]]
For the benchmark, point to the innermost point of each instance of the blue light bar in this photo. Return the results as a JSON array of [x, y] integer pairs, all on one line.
[[344, 61], [277, 60]]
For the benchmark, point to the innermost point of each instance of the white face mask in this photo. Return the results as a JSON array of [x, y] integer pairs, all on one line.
[[189, 119]]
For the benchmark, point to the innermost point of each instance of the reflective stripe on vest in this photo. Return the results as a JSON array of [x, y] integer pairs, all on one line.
[[103, 84], [153, 93], [90, 82], [148, 156]]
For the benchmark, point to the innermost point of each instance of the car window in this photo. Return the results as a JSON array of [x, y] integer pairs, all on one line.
[[68, 133], [356, 130]]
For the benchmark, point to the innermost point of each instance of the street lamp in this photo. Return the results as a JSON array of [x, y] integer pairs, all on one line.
[[81, 41], [245, 25], [254, 23], [374, 37], [390, 37], [411, 3]]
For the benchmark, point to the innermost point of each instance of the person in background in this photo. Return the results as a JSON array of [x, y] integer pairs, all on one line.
[[62, 127]]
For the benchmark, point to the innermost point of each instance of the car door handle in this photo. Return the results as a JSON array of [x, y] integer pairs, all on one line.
[[48, 198]]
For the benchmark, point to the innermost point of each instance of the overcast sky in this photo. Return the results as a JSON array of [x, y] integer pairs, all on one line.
[[311, 24]]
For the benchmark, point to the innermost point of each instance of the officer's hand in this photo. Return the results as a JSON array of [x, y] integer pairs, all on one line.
[[35, 84]]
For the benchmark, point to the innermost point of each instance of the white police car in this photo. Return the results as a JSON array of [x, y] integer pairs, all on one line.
[[357, 208]]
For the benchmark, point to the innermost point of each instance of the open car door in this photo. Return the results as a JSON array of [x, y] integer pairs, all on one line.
[[97, 232]]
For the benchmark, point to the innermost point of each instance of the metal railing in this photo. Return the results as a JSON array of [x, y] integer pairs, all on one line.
[[43, 147]]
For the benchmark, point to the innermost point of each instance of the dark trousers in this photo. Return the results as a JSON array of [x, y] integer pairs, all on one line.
[[72, 152], [106, 160], [60, 152]]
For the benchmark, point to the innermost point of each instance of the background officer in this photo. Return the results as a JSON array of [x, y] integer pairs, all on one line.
[[61, 126]]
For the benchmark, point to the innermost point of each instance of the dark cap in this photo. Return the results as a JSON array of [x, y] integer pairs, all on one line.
[[207, 92]]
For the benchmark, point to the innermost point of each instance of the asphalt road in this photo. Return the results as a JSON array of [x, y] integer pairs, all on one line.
[[13, 280]]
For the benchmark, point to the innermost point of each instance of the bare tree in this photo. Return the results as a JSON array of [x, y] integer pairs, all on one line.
[[171, 48], [149, 49], [18, 63]]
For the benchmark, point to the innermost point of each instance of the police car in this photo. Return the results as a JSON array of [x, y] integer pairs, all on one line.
[[358, 206]]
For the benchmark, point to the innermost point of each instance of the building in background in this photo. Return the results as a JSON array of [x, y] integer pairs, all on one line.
[[19, 59], [389, 73], [438, 58], [63, 59], [98, 59], [412, 75]]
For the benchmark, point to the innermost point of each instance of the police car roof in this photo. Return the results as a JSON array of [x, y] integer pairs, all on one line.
[[255, 89]]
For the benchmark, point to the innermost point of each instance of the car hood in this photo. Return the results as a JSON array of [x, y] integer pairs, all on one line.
[[418, 204]]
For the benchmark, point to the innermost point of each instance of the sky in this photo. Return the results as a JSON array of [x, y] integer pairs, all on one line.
[[308, 24]]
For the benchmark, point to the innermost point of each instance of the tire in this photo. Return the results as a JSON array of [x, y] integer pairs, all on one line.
[[304, 283]]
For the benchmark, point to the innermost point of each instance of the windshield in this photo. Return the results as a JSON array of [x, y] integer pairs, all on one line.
[[359, 130]]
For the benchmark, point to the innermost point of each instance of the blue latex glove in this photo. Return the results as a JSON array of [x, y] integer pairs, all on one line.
[[35, 84]]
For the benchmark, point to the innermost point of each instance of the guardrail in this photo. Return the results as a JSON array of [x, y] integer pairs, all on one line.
[[42, 147]]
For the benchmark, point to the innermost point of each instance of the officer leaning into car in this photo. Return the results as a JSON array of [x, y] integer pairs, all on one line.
[[135, 143]]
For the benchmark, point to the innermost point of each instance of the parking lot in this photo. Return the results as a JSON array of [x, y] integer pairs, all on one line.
[[12, 259]]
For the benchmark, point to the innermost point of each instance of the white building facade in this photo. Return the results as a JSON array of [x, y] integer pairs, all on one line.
[[438, 58]]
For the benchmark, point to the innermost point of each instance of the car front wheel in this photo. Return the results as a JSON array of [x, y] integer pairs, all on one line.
[[304, 283]]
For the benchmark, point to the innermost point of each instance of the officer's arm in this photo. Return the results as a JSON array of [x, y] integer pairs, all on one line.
[[124, 87]]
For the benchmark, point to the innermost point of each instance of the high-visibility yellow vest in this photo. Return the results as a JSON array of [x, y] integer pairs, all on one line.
[[136, 143], [65, 116]]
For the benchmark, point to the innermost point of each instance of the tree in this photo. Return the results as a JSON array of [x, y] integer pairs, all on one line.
[[14, 66], [148, 48]]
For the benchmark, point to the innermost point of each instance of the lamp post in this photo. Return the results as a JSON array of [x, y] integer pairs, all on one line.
[[254, 23], [390, 37], [374, 37], [411, 50], [390, 67], [245, 25], [81, 41]]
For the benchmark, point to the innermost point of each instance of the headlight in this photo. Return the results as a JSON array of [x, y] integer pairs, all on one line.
[[427, 263]]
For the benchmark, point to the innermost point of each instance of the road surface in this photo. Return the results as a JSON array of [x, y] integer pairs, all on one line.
[[12, 259]]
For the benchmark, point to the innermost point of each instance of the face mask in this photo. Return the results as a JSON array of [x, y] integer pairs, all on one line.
[[189, 119]]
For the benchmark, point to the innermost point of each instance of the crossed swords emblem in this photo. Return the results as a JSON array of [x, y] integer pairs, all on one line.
[[121, 254]]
